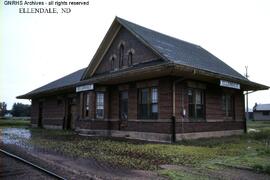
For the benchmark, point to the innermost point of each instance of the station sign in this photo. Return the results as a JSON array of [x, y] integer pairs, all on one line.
[[229, 84], [87, 87]]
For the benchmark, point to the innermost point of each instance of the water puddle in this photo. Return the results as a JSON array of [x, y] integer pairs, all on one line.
[[15, 136]]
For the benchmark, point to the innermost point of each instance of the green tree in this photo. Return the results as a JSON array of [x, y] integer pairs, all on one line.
[[3, 108], [21, 110]]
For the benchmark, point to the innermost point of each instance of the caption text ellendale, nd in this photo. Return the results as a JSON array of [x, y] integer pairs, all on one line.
[[45, 6]]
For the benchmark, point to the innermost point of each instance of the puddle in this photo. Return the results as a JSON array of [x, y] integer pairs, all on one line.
[[16, 136]]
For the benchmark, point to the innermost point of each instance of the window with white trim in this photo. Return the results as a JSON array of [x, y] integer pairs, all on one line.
[[100, 105]]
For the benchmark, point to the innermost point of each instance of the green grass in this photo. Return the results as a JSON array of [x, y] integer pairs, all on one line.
[[14, 123], [250, 150], [181, 175]]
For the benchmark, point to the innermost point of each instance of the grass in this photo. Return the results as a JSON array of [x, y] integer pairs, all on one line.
[[181, 175], [14, 123], [251, 150]]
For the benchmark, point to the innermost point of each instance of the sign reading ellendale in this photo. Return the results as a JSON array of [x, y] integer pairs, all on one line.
[[45, 7], [229, 84]]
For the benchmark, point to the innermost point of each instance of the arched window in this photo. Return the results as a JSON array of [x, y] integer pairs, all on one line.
[[112, 63], [130, 58], [121, 55]]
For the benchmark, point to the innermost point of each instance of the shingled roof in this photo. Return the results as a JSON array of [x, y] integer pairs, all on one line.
[[64, 82], [181, 52]]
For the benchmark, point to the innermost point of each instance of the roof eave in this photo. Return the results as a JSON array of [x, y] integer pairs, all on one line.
[[246, 84], [48, 92]]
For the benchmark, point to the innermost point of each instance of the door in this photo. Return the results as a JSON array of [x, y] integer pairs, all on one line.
[[123, 109], [71, 113], [40, 114]]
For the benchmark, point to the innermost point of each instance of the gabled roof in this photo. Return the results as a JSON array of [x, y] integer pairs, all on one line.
[[168, 48], [262, 107], [62, 83]]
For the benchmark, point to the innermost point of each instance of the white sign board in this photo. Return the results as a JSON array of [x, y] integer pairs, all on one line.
[[85, 88], [229, 84]]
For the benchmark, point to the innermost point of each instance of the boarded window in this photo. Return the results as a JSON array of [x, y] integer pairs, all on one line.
[[130, 58], [121, 55], [112, 63]]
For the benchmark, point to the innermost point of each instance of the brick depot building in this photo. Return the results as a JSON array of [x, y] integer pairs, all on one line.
[[145, 85]]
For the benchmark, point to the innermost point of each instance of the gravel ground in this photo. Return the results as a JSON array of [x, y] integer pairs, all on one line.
[[13, 169]]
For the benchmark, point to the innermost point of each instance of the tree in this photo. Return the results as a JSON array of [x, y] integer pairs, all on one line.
[[3, 108], [21, 110]]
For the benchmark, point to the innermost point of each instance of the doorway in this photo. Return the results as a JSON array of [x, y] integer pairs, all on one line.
[[123, 109], [70, 114]]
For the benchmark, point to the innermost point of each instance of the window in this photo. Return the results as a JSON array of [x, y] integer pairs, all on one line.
[[121, 55], [148, 103], [100, 105], [196, 104], [265, 113], [112, 63], [86, 104], [130, 58], [123, 105], [228, 105]]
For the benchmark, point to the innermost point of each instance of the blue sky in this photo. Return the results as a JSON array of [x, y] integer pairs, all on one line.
[[37, 49]]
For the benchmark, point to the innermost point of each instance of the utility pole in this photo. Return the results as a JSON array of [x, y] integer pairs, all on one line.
[[247, 76]]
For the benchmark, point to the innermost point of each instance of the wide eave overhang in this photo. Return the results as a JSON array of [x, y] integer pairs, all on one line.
[[149, 72]]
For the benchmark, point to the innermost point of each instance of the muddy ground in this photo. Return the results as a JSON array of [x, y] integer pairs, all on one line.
[[77, 168], [87, 168]]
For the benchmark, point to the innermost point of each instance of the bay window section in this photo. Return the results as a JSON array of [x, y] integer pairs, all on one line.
[[148, 103], [196, 105], [99, 105]]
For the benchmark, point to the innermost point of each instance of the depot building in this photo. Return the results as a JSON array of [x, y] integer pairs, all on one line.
[[142, 84]]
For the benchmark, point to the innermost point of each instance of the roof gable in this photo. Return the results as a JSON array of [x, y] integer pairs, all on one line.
[[166, 47], [105, 45], [140, 54]]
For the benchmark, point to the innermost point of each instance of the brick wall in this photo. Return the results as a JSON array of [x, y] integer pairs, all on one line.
[[54, 113]]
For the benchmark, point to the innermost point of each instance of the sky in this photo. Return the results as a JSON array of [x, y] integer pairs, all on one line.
[[36, 49]]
